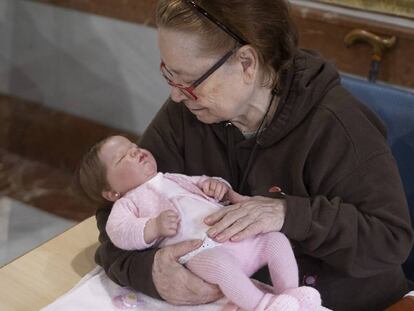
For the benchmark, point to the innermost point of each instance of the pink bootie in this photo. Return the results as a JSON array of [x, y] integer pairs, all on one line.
[[278, 303], [230, 306], [308, 297]]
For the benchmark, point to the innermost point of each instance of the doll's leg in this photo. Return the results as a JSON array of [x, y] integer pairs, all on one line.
[[308, 297], [218, 266], [279, 256], [284, 271]]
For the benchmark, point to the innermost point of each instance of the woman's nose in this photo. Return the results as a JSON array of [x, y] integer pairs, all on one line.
[[177, 95]]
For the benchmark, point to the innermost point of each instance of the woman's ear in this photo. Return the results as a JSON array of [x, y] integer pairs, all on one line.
[[248, 58], [110, 195]]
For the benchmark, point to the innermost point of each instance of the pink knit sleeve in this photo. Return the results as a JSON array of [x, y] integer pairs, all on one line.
[[198, 180], [125, 228]]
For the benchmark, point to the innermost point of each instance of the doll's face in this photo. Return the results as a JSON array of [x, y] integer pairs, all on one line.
[[127, 165]]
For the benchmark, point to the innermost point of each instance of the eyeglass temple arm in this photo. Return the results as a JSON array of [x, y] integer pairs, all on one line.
[[217, 22], [220, 62]]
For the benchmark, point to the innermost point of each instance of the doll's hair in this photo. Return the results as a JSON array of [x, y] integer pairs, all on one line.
[[90, 178]]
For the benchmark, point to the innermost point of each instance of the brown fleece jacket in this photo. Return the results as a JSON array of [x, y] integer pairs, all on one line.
[[347, 216]]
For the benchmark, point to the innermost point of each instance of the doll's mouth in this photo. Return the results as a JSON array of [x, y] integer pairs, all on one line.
[[141, 157]]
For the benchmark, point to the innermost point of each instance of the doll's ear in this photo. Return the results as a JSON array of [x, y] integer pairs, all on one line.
[[110, 195]]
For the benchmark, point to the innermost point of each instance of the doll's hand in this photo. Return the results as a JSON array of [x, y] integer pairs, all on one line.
[[215, 188], [167, 223]]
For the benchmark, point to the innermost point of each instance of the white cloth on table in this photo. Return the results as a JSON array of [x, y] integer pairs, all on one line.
[[95, 291]]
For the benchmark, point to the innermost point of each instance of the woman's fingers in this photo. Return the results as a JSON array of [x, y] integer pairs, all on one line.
[[251, 230], [226, 221], [201, 292], [215, 217], [180, 249], [234, 229], [175, 283], [252, 216]]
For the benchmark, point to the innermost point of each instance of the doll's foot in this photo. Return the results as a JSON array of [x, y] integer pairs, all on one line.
[[281, 302], [308, 297], [229, 306]]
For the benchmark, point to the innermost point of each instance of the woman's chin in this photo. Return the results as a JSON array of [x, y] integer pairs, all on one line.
[[207, 119]]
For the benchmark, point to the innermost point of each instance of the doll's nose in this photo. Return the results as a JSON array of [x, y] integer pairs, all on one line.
[[133, 152]]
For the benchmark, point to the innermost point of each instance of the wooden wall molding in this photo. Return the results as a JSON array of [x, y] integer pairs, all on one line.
[[325, 31]]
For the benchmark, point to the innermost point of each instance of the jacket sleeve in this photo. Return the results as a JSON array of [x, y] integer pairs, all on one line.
[[134, 268], [125, 228], [354, 216]]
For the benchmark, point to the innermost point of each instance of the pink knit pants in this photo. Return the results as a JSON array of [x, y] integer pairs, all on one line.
[[231, 265]]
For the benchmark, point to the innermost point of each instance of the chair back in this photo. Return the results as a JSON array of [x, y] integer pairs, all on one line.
[[396, 108]]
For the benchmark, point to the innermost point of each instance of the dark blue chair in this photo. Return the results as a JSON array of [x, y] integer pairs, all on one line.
[[396, 108]]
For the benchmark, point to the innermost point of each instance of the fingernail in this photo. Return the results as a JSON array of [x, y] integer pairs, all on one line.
[[207, 220], [212, 232], [220, 237], [234, 238]]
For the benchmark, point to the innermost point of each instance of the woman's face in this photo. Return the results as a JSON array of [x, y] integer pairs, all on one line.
[[222, 96]]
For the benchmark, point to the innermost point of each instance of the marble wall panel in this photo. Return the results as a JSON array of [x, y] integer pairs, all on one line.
[[50, 136], [87, 65], [42, 186], [6, 15]]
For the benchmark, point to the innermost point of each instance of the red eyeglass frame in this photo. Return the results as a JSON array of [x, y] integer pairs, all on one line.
[[189, 90]]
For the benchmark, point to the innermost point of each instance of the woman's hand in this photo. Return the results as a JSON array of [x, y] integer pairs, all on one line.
[[248, 216], [175, 283]]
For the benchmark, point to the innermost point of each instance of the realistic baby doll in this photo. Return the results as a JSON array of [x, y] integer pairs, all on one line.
[[159, 209]]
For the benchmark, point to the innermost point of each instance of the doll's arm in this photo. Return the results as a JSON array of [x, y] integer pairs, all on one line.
[[164, 225], [215, 187], [125, 228]]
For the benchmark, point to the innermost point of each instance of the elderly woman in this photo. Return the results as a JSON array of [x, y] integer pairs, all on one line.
[[247, 105]]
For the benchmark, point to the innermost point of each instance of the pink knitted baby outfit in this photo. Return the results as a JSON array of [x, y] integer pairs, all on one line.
[[229, 265]]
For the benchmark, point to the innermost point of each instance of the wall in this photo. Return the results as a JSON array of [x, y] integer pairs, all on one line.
[[322, 27], [98, 59], [99, 68]]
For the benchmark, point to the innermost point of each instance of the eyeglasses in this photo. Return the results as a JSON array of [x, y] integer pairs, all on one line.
[[189, 90], [215, 21]]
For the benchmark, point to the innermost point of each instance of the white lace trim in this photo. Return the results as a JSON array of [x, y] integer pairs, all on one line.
[[207, 243]]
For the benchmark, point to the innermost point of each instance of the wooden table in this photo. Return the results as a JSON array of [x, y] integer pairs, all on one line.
[[37, 278]]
